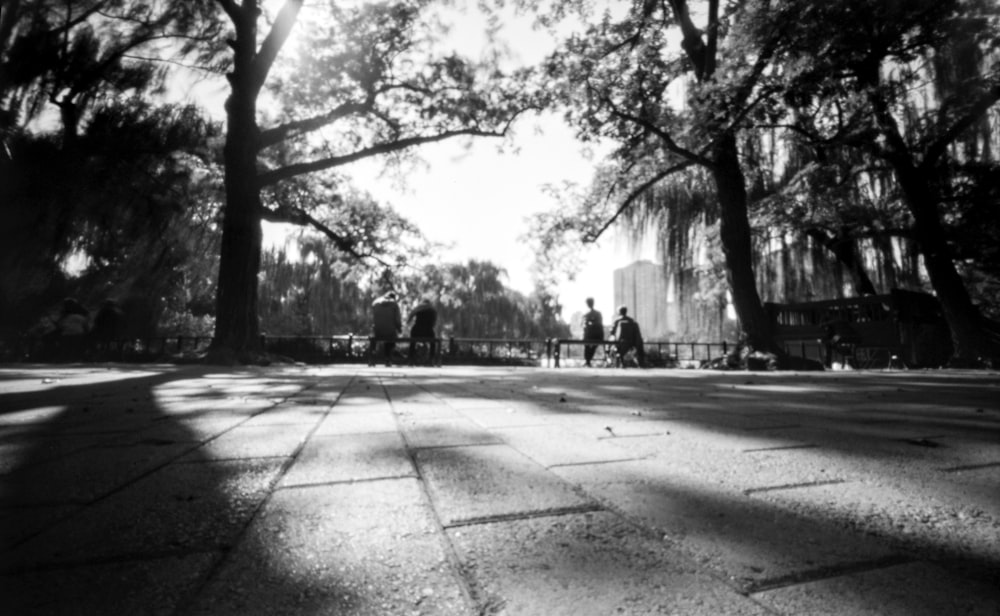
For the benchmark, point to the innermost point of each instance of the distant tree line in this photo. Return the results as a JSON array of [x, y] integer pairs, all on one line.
[[312, 292]]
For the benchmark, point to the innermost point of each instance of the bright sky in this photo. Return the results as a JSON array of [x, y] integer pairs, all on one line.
[[478, 199]]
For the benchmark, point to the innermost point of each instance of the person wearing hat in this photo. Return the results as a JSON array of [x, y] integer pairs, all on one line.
[[387, 324], [628, 336]]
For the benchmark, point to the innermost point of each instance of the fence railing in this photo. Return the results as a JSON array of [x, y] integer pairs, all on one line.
[[659, 353], [351, 348]]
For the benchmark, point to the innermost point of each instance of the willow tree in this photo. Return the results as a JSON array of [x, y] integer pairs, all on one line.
[[92, 162], [675, 95], [909, 85], [360, 82]]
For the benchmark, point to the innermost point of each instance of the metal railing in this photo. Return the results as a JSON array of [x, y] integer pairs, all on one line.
[[659, 353], [351, 348]]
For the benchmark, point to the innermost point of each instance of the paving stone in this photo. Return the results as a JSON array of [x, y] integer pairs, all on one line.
[[592, 563], [153, 587], [746, 540], [289, 413], [491, 480], [354, 457], [444, 432], [19, 523], [362, 404], [368, 549], [938, 517], [505, 416], [85, 475], [253, 442], [912, 589], [559, 445], [357, 423], [182, 507]]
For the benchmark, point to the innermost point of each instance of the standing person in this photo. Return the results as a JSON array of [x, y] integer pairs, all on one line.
[[387, 324], [424, 317], [626, 332], [593, 329]]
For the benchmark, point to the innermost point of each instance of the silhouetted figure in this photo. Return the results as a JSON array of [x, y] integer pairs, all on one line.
[[108, 327], [424, 318], [387, 324], [628, 337], [593, 329]]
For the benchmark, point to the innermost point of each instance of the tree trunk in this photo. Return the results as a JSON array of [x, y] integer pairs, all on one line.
[[845, 251], [964, 320], [237, 326], [734, 230]]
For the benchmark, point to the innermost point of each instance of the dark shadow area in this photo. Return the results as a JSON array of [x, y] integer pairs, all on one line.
[[110, 504]]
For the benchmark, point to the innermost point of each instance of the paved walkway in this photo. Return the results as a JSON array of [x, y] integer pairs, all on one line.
[[483, 491]]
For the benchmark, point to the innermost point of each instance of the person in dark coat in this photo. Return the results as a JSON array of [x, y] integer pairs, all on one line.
[[387, 324], [424, 318], [593, 329], [108, 327], [627, 337]]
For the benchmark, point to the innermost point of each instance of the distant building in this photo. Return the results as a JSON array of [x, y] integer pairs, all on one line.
[[642, 286]]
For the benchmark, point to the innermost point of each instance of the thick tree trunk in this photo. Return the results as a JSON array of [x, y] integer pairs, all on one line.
[[237, 325], [737, 247], [964, 319]]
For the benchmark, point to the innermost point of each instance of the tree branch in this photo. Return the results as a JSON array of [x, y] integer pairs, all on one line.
[[280, 133], [591, 237], [692, 44], [975, 111], [298, 216], [229, 6], [657, 131], [274, 41], [277, 175]]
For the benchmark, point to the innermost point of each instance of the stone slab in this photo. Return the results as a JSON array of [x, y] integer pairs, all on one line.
[[182, 507], [253, 442], [355, 457], [85, 475], [367, 549], [357, 423], [560, 445], [745, 539], [145, 587], [289, 413], [912, 589], [444, 432], [468, 483], [592, 563]]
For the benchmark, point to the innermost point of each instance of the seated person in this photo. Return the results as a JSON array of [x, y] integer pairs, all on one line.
[[628, 337], [386, 326], [424, 317]]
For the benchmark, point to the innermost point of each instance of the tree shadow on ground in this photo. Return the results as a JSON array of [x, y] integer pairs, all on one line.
[[116, 498], [758, 440]]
